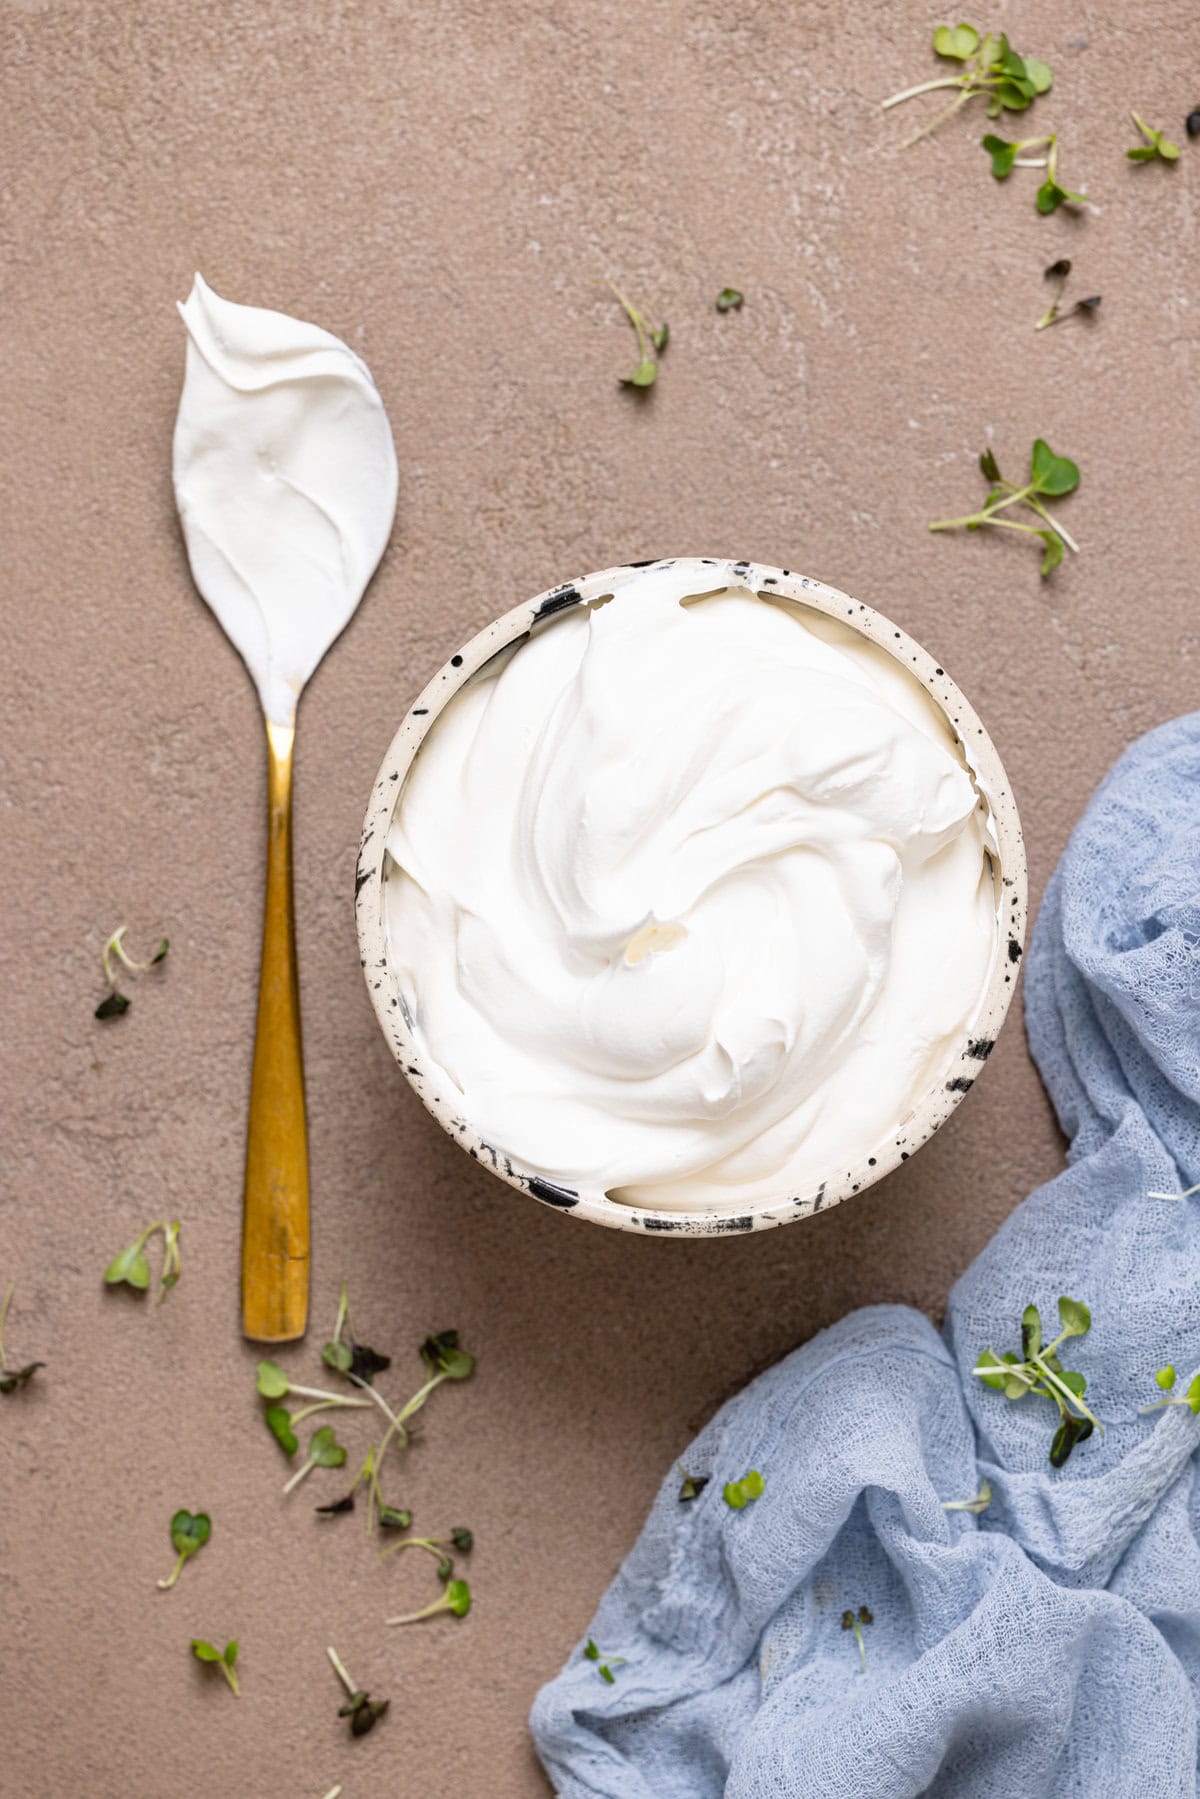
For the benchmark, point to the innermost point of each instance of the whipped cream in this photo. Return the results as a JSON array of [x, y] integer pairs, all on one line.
[[285, 479], [688, 896]]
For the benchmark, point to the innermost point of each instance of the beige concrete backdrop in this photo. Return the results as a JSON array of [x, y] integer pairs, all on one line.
[[446, 185]]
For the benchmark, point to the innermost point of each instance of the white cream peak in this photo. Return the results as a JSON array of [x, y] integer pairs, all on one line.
[[285, 480]]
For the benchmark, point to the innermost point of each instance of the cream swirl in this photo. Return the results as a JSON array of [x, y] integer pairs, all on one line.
[[285, 479], [688, 895]]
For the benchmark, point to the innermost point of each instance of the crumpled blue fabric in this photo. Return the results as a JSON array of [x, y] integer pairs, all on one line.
[[1050, 1645]]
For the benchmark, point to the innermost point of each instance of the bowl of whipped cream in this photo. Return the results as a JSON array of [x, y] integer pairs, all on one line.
[[691, 896]]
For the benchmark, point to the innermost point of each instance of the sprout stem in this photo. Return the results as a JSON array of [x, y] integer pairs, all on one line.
[[327, 1398], [12, 1287], [341, 1673], [322, 1405], [923, 87], [164, 1586], [298, 1476], [946, 113]]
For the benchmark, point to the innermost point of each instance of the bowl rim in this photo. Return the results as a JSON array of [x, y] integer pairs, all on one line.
[[444, 1101]]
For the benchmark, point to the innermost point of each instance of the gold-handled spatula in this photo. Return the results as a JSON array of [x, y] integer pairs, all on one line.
[[285, 480]]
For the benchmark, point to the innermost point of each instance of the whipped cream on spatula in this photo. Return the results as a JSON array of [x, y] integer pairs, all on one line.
[[285, 479]]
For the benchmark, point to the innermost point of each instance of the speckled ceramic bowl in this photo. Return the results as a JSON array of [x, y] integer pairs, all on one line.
[[954, 1081]]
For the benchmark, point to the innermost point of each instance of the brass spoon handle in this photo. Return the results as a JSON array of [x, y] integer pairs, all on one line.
[[275, 1220]]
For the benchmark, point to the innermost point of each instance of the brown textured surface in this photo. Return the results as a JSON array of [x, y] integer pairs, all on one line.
[[446, 186]]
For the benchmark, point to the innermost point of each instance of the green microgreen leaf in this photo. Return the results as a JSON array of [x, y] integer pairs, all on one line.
[[1002, 153], [738, 1493], [730, 300], [1074, 1316], [338, 1356], [650, 338], [1155, 146], [130, 1268], [363, 1712], [1053, 554], [1031, 1332], [605, 1664], [854, 1621], [390, 1518], [456, 1599], [644, 375], [957, 41], [190, 1531], [692, 1484], [442, 1355], [1071, 1431], [224, 1659], [272, 1382], [1050, 196], [324, 1451], [279, 1423], [1165, 1377]]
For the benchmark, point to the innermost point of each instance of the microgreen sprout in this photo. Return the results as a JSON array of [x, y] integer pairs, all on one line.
[[1187, 1194], [739, 1493], [650, 338], [1050, 476], [392, 1519], [460, 1538], [855, 1621], [363, 1712], [13, 1378], [979, 1503], [604, 1663], [1007, 156], [344, 1504], [279, 1423], [1165, 1380], [324, 1451], [115, 1003], [991, 67], [224, 1659], [1155, 145], [1085, 308], [345, 1356], [692, 1484], [132, 1267], [456, 1600], [730, 300], [1038, 1370], [444, 1360], [190, 1531], [273, 1383]]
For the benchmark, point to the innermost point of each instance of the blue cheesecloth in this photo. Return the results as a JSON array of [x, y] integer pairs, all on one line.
[[1049, 1645]]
